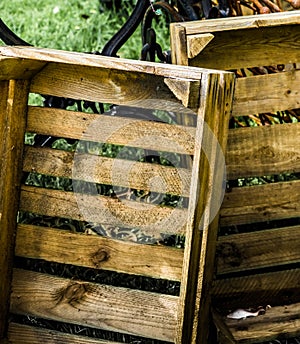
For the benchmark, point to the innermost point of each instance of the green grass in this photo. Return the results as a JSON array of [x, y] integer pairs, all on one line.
[[71, 25]]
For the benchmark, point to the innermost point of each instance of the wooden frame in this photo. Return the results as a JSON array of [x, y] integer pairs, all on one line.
[[248, 273], [207, 94]]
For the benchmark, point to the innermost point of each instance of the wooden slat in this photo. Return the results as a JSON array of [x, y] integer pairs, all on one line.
[[110, 308], [98, 252], [249, 48], [152, 219], [261, 203], [267, 93], [241, 42], [277, 322], [102, 62], [106, 86], [23, 334], [243, 23], [111, 129], [260, 249], [97, 169], [263, 151], [202, 226], [21, 70], [273, 288], [13, 101]]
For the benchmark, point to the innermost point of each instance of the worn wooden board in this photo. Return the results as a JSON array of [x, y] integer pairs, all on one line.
[[263, 151], [109, 171], [278, 322], [198, 264], [110, 308], [23, 334], [151, 219], [247, 41], [23, 69], [273, 288], [244, 252], [102, 62], [13, 101], [242, 23], [98, 252], [110, 129], [261, 203], [267, 93]]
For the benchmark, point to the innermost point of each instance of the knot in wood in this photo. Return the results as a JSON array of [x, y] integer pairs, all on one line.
[[230, 254], [102, 255], [72, 293]]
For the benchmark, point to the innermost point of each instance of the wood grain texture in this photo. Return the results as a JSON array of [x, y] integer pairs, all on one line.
[[102, 62], [277, 322], [110, 308], [179, 45], [151, 219], [261, 203], [239, 42], [13, 101], [263, 151], [241, 23], [273, 288], [261, 249], [23, 334], [110, 129], [267, 93], [262, 46], [16, 68], [109, 171], [97, 252], [106, 86], [198, 264]]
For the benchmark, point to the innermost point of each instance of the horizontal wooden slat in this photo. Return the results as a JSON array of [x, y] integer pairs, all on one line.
[[277, 322], [102, 62], [259, 249], [262, 151], [98, 252], [152, 219], [111, 129], [22, 70], [250, 47], [242, 23], [23, 334], [110, 308], [273, 288], [261, 203], [97, 169], [267, 93], [106, 86]]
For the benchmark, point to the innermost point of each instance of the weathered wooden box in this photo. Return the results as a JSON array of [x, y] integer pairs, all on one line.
[[53, 270], [258, 252]]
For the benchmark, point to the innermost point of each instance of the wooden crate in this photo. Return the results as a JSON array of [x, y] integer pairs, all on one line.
[[202, 98], [262, 265]]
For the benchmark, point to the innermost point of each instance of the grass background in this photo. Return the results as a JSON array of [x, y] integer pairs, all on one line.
[[74, 25]]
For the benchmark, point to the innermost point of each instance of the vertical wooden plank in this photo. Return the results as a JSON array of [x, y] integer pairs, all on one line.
[[13, 103], [178, 44], [206, 191]]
